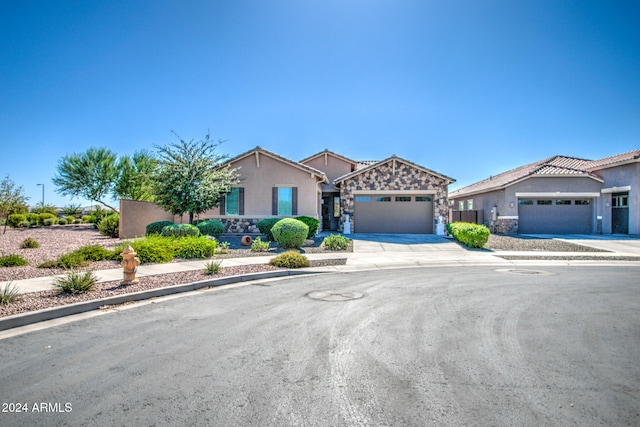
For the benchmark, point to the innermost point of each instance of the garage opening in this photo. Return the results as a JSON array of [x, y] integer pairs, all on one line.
[[393, 213], [555, 216]]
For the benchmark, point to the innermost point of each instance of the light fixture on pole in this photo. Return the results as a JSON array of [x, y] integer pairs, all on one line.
[[42, 194]]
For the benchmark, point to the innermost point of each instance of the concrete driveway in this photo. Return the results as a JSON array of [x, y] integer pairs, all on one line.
[[370, 242]]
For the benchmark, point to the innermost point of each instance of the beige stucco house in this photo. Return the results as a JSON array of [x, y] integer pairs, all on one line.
[[389, 196]]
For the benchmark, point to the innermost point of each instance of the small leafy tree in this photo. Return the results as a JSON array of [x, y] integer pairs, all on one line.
[[191, 177], [91, 175], [12, 199], [71, 210], [136, 173], [46, 208]]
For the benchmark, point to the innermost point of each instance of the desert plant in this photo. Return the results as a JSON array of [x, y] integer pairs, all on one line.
[[46, 208], [156, 227], [71, 209], [223, 248], [290, 259], [9, 293], [12, 260], [43, 217], [25, 224], [76, 282], [89, 219], [211, 228], [336, 242], [259, 246], [63, 221], [48, 222], [14, 220], [77, 221], [472, 235], [29, 243], [109, 225], [180, 230], [194, 247], [290, 233], [266, 225], [34, 218], [81, 257], [312, 223], [212, 267]]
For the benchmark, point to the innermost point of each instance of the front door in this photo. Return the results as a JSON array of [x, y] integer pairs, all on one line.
[[330, 212], [620, 213]]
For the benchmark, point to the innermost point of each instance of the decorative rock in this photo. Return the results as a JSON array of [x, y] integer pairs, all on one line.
[[130, 265]]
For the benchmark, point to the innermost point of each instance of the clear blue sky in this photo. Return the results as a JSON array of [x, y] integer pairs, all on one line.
[[467, 88]]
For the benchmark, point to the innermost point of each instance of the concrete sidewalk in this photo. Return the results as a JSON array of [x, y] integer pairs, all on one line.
[[377, 251]]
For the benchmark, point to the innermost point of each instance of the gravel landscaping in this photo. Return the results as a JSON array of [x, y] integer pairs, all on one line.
[[499, 242]]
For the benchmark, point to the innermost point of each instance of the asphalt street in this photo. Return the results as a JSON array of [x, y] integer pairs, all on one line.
[[532, 346]]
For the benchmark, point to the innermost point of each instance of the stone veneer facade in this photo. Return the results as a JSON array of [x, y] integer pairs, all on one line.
[[240, 225], [383, 178], [504, 226]]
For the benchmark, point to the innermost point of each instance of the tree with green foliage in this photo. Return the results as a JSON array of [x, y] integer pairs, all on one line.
[[12, 199], [136, 174], [91, 175], [46, 208], [191, 177]]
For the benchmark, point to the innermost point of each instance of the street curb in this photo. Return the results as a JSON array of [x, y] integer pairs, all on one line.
[[24, 319]]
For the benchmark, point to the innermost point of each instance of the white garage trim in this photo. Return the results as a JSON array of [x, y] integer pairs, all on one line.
[[558, 194], [616, 189]]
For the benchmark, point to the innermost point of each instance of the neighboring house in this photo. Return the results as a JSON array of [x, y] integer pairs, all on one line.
[[559, 195], [390, 196]]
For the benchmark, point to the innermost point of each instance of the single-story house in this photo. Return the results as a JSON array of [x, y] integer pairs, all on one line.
[[389, 196], [559, 195]]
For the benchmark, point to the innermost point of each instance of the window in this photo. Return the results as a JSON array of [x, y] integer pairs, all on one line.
[[423, 199], [403, 198], [582, 202], [470, 204], [285, 201], [336, 206], [620, 200], [563, 202], [525, 202], [461, 206], [363, 199], [543, 202], [383, 198], [232, 202]]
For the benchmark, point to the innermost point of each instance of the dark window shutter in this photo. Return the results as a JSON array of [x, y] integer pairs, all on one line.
[[223, 199], [294, 201], [274, 201], [241, 201]]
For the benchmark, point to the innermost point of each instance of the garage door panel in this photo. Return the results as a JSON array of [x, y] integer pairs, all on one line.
[[555, 219], [413, 217]]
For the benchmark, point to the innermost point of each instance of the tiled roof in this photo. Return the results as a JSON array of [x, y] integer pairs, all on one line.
[[319, 173], [553, 166], [613, 160], [373, 164]]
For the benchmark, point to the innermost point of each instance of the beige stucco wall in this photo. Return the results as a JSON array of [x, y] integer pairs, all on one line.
[[135, 215], [332, 166], [259, 176]]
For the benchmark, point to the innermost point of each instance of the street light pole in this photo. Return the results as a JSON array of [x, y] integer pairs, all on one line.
[[42, 194]]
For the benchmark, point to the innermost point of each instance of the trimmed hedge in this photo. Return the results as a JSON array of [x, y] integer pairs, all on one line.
[[14, 220], [290, 259], [472, 235], [211, 228], [312, 223], [290, 233], [266, 225], [156, 227], [180, 230]]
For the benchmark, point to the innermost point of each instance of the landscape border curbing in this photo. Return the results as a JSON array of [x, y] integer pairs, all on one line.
[[28, 318]]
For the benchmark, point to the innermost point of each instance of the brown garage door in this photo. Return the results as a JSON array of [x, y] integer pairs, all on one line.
[[555, 216], [396, 213]]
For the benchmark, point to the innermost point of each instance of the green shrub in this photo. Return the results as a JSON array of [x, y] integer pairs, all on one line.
[[211, 228], [153, 248], [336, 242], [14, 220], [212, 267], [290, 259], [472, 235], [312, 223], [77, 221], [194, 247], [290, 233], [89, 219], [96, 253], [12, 260], [8, 294], [25, 224], [259, 246], [29, 243], [223, 248], [62, 221], [49, 264], [81, 257], [70, 219], [156, 227], [266, 225], [76, 282], [71, 260], [109, 225], [43, 217], [180, 230]]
